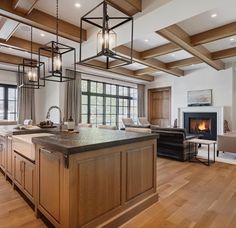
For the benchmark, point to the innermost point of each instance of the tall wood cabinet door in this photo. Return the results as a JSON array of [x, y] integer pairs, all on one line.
[[29, 178], [18, 169], [9, 156], [50, 182]]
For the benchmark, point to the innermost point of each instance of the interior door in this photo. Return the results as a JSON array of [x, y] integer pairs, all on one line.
[[159, 106]]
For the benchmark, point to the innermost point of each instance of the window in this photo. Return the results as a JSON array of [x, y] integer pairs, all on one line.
[[8, 102], [104, 103]]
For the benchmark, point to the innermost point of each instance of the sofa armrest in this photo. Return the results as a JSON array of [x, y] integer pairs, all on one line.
[[191, 137]]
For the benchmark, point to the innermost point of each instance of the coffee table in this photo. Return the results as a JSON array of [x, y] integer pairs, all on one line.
[[196, 142]]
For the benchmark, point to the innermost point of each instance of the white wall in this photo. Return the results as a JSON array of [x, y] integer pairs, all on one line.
[[8, 77], [205, 78], [46, 97]]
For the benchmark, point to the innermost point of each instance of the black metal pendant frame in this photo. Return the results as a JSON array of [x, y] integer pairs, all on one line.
[[55, 49], [23, 79], [109, 54]]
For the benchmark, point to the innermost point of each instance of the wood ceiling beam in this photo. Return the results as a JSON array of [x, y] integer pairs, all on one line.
[[184, 62], [130, 7], [214, 34], [10, 59], [24, 6], [223, 54], [161, 50], [43, 21], [144, 71], [178, 36], [23, 45], [153, 63], [121, 71]]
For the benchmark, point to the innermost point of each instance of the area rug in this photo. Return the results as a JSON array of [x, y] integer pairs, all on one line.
[[226, 157]]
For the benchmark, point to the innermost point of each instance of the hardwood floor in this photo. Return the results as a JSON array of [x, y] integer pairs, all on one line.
[[191, 195], [14, 211]]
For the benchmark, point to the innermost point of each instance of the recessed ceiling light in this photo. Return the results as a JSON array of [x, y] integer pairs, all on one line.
[[232, 39], [77, 5], [213, 15], [146, 40], [42, 34]]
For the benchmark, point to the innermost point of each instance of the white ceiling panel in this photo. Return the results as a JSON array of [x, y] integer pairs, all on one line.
[[175, 56], [217, 45], [204, 21], [147, 42]]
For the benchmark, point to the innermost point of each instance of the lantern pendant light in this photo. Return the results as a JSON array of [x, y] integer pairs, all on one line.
[[107, 20], [57, 53], [29, 71]]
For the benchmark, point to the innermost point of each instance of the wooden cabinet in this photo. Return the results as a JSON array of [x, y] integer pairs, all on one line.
[[50, 180], [9, 157], [24, 175], [111, 184], [3, 153]]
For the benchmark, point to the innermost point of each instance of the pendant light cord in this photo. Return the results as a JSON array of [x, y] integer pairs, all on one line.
[[57, 20], [31, 44]]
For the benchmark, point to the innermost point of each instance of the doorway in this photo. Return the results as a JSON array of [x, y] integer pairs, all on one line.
[[159, 106]]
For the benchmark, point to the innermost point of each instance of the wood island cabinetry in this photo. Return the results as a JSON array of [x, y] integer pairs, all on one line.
[[24, 175], [100, 187]]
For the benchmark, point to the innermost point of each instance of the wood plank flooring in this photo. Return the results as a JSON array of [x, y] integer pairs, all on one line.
[[191, 195], [14, 211]]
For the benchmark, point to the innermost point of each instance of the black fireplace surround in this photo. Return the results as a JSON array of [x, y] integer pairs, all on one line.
[[209, 121]]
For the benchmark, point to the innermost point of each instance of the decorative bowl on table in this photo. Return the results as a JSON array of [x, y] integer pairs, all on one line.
[[46, 124]]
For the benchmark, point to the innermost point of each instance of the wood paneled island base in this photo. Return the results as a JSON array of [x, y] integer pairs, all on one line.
[[104, 187]]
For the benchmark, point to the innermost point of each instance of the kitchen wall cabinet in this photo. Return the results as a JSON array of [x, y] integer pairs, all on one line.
[[24, 175]]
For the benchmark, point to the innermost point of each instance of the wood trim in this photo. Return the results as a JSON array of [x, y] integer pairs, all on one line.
[[178, 36], [214, 34], [130, 7], [43, 21], [153, 63], [160, 50]]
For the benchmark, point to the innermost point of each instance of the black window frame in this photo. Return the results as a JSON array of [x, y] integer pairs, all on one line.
[[104, 95], [5, 100]]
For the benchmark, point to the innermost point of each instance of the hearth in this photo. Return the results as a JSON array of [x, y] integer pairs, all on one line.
[[204, 124]]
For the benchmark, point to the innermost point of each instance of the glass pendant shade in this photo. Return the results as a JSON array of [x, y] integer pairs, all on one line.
[[29, 74], [106, 20], [106, 41]]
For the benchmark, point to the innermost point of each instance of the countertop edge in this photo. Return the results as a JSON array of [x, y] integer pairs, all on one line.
[[97, 146]]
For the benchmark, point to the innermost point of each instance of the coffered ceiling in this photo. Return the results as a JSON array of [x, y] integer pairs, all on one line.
[[175, 49]]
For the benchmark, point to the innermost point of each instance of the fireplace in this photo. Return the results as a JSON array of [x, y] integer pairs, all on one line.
[[204, 124]]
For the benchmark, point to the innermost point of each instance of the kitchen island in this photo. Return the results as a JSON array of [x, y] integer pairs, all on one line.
[[97, 177]]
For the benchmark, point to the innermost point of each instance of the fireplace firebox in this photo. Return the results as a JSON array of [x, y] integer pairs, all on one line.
[[204, 124]]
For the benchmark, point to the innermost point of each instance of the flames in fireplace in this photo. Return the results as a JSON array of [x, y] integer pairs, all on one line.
[[200, 125]]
